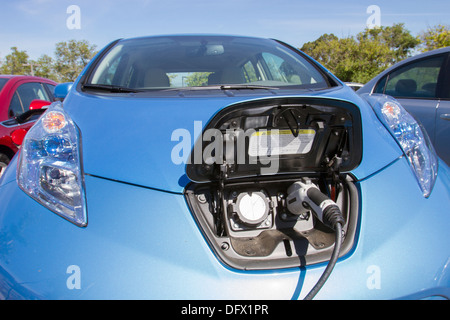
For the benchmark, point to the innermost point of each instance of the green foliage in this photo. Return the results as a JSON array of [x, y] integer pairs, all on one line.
[[15, 63], [44, 67], [435, 38], [360, 58], [70, 59], [399, 40], [197, 79]]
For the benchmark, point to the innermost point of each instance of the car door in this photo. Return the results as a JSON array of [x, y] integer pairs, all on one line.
[[442, 135], [24, 94]]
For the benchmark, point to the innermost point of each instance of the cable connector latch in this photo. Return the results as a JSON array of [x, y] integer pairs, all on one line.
[[305, 196]]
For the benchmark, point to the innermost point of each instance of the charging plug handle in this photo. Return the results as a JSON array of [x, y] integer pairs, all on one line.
[[304, 196], [329, 213]]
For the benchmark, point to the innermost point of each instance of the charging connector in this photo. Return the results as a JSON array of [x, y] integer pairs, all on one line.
[[304, 196]]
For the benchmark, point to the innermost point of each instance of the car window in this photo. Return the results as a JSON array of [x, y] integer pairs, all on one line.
[[171, 62], [15, 107], [273, 64], [280, 70], [415, 80], [23, 96], [3, 81], [250, 72], [445, 85], [50, 89]]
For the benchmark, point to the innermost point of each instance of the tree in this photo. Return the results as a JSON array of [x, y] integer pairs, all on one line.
[[322, 48], [197, 79], [16, 63], [348, 58], [399, 40], [360, 58], [71, 57], [435, 38], [44, 67]]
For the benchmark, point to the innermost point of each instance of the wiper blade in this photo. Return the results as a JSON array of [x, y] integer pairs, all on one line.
[[110, 88], [193, 88], [245, 86], [222, 87]]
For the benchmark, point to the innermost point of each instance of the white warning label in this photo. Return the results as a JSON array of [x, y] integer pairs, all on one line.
[[280, 142]]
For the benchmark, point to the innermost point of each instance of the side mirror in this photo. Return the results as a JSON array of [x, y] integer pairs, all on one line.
[[18, 135], [61, 90], [39, 104]]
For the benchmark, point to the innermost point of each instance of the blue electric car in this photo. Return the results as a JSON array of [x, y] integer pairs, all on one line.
[[222, 167]]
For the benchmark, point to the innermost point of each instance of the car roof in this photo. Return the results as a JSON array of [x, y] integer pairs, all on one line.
[[11, 76], [420, 56], [193, 35], [15, 78]]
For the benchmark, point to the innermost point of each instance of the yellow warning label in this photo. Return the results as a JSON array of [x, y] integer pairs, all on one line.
[[280, 142], [280, 132]]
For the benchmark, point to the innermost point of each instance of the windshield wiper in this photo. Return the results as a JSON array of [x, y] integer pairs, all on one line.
[[110, 88], [223, 87], [245, 86]]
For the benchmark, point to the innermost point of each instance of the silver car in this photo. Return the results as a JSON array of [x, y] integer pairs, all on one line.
[[422, 85]]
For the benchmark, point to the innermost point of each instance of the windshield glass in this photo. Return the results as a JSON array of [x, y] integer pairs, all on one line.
[[196, 61]]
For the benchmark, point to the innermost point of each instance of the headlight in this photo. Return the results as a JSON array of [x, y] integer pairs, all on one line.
[[412, 138], [49, 167]]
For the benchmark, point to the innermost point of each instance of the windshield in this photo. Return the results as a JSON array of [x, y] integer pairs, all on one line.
[[198, 61]]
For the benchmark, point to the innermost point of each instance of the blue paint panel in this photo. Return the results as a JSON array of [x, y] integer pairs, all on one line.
[[143, 243]]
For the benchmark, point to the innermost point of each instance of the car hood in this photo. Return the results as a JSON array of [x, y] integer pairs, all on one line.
[[131, 139]]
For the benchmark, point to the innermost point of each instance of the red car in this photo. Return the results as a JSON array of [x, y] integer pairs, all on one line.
[[21, 98]]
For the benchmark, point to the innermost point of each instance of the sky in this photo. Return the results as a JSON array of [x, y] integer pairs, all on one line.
[[37, 25]]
